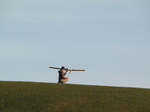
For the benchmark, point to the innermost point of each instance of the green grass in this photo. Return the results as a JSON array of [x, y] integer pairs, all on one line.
[[49, 97]]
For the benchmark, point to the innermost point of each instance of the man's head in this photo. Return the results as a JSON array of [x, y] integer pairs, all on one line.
[[62, 68]]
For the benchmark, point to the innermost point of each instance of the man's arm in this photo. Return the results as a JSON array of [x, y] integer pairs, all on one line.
[[63, 75]]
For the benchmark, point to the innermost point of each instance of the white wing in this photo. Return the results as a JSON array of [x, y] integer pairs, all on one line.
[[54, 67], [77, 70]]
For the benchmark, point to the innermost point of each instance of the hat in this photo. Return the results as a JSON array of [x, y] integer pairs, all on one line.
[[62, 67]]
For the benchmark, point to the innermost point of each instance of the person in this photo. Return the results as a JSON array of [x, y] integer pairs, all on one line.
[[62, 72]]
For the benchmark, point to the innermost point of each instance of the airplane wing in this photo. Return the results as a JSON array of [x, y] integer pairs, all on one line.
[[67, 68], [54, 67], [76, 70]]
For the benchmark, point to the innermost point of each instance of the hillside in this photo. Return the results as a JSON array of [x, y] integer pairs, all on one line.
[[49, 97]]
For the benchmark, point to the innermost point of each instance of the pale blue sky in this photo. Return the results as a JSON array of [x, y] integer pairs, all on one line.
[[108, 38]]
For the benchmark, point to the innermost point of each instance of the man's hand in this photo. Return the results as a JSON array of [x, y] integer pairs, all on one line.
[[66, 70]]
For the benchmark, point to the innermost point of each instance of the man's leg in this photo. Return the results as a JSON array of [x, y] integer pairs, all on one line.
[[64, 80]]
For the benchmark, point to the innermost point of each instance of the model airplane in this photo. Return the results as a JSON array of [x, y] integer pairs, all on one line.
[[62, 79], [67, 69]]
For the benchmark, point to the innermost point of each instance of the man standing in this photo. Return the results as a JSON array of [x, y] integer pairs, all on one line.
[[62, 72]]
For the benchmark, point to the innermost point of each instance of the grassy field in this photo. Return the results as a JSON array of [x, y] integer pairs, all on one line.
[[49, 97]]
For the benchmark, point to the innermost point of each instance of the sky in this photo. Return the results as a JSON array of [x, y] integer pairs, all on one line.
[[110, 39]]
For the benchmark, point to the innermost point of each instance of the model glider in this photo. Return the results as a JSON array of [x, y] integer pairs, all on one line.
[[67, 69]]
